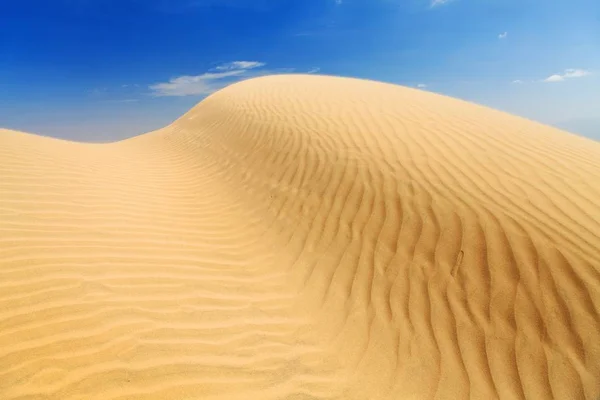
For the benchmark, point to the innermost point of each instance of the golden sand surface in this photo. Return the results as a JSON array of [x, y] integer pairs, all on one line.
[[300, 238]]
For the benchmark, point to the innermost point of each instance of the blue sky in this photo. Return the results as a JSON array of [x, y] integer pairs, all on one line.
[[103, 70]]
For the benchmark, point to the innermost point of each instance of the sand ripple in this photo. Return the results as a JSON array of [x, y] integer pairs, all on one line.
[[304, 237]]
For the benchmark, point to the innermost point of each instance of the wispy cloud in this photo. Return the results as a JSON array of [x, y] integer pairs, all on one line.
[[435, 3], [193, 85], [338, 2], [314, 70], [503, 35], [214, 79], [237, 65], [421, 85], [517, 82], [568, 74]]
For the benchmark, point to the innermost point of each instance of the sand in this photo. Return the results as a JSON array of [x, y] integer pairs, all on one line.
[[304, 237]]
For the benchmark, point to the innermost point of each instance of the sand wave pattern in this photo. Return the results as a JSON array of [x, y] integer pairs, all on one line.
[[304, 237]]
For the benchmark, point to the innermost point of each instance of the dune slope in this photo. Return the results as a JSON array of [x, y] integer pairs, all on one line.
[[304, 237]]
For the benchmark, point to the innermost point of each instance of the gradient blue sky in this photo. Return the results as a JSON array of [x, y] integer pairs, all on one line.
[[102, 70]]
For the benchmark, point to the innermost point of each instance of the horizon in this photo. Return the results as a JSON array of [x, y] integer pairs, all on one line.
[[105, 70]]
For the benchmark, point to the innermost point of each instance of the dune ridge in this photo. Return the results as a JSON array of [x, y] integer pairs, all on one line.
[[304, 237]]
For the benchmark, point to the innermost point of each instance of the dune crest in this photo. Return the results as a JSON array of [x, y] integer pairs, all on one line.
[[304, 237]]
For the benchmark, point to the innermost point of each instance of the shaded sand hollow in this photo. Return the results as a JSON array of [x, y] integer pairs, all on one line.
[[304, 237]]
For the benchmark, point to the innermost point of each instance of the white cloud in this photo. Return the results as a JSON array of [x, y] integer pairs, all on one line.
[[314, 70], [568, 74], [576, 73], [435, 3], [517, 82], [503, 35], [235, 65], [421, 85], [193, 85], [213, 80], [554, 78]]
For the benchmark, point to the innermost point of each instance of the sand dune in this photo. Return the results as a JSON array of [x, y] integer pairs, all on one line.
[[304, 237]]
